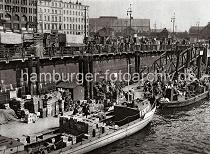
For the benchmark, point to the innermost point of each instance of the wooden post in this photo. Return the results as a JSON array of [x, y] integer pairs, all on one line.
[[177, 62], [30, 70], [137, 63], [85, 83], [38, 75], [80, 70], [188, 58], [91, 83], [199, 67], [205, 58], [18, 77]]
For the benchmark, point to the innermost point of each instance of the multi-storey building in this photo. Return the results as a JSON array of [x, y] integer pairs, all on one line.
[[18, 15], [62, 16], [119, 25]]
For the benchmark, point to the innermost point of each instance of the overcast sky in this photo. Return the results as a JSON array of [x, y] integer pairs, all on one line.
[[187, 12]]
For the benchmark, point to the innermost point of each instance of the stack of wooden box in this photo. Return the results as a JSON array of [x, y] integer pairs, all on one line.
[[43, 112], [30, 118]]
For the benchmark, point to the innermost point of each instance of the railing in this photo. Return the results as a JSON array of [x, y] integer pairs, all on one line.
[[18, 52], [167, 62]]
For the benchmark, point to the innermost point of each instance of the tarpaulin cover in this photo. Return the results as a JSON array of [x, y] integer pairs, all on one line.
[[11, 38], [7, 115], [74, 39]]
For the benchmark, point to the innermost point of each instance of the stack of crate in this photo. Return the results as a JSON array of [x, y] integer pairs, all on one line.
[[61, 106], [30, 118], [36, 104], [69, 139], [73, 139], [43, 112]]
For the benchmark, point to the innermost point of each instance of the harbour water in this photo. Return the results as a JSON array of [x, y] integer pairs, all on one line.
[[177, 131]]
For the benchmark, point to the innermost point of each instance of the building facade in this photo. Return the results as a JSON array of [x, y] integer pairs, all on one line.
[[119, 25], [18, 15], [62, 16], [194, 33]]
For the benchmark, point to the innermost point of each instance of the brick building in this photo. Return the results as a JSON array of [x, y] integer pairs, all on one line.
[[195, 33], [119, 25], [18, 15]]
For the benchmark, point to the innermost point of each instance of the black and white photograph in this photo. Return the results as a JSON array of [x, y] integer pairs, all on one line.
[[104, 76]]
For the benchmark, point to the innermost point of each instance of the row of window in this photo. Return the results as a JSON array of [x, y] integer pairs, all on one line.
[[55, 26], [75, 33], [9, 8], [17, 18], [62, 4], [22, 2], [67, 12], [59, 19]]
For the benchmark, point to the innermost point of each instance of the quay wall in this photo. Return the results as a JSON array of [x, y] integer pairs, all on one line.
[[9, 76]]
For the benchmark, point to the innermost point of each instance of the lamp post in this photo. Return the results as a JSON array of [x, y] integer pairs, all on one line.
[[126, 23], [173, 19], [198, 26], [155, 26], [129, 13], [85, 9]]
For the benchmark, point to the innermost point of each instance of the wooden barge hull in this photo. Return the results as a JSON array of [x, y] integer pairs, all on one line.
[[187, 102], [110, 137]]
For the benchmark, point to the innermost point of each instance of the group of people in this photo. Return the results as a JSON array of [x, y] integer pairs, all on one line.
[[98, 44], [171, 89], [107, 90]]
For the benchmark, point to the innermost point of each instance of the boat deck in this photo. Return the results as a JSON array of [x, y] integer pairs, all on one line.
[[18, 129]]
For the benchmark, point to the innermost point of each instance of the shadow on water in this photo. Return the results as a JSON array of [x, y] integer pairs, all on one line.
[[182, 130], [130, 141], [179, 111]]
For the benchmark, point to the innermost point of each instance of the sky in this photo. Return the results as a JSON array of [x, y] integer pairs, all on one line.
[[187, 12]]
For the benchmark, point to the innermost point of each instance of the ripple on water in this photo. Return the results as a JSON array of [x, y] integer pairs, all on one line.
[[178, 131]]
